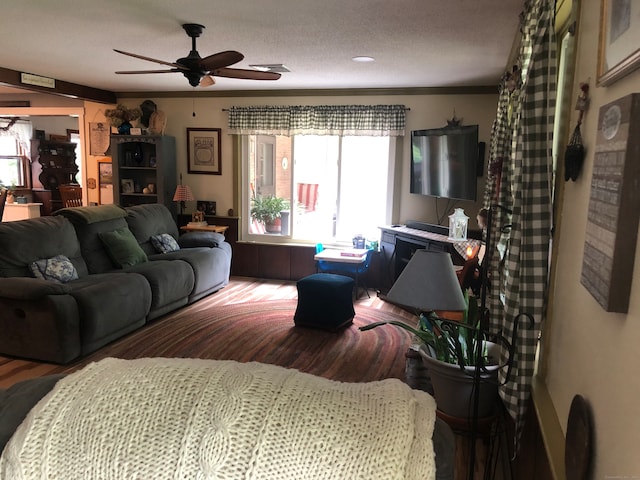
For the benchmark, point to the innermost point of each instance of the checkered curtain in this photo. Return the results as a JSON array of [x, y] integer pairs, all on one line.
[[518, 190], [368, 120]]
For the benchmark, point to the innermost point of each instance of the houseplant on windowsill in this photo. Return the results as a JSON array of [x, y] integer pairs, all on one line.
[[448, 350], [268, 210]]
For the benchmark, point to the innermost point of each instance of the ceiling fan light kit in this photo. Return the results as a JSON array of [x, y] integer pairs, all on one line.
[[200, 71]]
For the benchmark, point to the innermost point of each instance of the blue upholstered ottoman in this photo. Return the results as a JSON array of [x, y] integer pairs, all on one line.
[[325, 301]]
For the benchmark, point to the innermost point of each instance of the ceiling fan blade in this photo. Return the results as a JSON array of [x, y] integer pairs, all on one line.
[[220, 60], [142, 57], [245, 74], [132, 72], [207, 81]]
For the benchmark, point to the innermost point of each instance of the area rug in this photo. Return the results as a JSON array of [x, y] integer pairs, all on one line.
[[265, 332]]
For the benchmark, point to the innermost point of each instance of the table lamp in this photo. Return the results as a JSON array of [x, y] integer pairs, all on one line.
[[183, 194], [428, 283]]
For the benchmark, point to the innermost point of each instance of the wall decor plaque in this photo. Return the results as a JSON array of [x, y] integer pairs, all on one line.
[[614, 206]]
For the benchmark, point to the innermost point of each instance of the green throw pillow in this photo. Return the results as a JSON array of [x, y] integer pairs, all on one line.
[[123, 247]]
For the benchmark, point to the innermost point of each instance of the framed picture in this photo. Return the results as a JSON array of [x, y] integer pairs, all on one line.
[[105, 181], [57, 138], [619, 50], [105, 173], [127, 185], [203, 151], [208, 208]]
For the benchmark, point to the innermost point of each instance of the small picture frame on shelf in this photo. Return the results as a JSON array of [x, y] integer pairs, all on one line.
[[207, 207], [127, 185], [135, 131]]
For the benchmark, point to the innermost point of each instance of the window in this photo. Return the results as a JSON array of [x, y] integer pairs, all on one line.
[[12, 164], [336, 186]]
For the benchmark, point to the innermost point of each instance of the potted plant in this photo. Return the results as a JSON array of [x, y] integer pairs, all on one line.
[[121, 117], [448, 350], [267, 209]]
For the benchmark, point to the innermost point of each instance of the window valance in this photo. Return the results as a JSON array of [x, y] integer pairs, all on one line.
[[21, 130], [354, 120]]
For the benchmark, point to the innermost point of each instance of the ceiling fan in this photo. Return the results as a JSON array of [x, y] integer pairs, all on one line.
[[200, 71]]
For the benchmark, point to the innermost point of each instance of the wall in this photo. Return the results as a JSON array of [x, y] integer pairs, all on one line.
[[426, 111], [588, 351]]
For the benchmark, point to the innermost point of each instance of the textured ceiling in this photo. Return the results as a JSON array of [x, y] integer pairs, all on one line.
[[415, 43]]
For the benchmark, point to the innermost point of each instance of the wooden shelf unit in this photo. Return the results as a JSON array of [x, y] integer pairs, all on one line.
[[141, 160]]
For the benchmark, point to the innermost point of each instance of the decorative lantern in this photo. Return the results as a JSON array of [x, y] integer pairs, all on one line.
[[458, 223]]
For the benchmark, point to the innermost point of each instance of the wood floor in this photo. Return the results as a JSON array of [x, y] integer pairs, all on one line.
[[246, 290]]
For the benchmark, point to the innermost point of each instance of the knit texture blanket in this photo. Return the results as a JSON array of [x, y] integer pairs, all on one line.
[[207, 419]]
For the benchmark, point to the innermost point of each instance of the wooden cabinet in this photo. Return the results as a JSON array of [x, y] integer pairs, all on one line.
[[399, 243], [144, 170], [52, 164]]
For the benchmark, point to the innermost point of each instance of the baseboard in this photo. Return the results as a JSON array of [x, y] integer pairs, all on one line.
[[550, 428]]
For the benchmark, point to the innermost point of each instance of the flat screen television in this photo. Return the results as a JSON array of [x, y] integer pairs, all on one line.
[[444, 162]]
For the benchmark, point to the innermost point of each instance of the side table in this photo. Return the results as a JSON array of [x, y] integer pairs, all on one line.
[[205, 228]]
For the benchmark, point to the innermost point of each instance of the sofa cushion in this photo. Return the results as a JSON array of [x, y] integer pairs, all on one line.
[[92, 214], [171, 284], [110, 305], [201, 239], [26, 288], [16, 401], [57, 269], [26, 241], [164, 243], [123, 247], [148, 220]]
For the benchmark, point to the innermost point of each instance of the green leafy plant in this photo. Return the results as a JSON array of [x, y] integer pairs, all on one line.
[[449, 341], [266, 209]]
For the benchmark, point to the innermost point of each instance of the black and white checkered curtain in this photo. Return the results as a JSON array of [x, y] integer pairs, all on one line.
[[369, 120], [519, 191]]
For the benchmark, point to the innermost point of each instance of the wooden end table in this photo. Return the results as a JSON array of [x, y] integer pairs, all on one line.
[[205, 228]]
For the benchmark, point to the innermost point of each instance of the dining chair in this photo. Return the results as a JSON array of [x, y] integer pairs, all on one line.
[[71, 195]]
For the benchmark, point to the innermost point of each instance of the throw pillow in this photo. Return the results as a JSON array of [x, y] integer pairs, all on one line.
[[57, 269], [123, 247], [164, 243]]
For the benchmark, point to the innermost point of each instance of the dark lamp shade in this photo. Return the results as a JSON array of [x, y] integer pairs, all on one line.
[[428, 283]]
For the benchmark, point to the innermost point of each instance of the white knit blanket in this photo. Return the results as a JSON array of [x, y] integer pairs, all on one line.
[[154, 419]]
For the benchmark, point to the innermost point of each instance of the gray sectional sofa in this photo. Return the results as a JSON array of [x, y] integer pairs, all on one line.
[[73, 282]]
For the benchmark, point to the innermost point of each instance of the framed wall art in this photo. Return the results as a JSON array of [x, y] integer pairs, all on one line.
[[208, 207], [203, 151], [619, 50], [105, 181]]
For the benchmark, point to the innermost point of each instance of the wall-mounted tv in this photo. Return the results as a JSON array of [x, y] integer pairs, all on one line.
[[444, 162]]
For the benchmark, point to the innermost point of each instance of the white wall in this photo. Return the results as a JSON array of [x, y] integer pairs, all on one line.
[[426, 111], [591, 352]]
